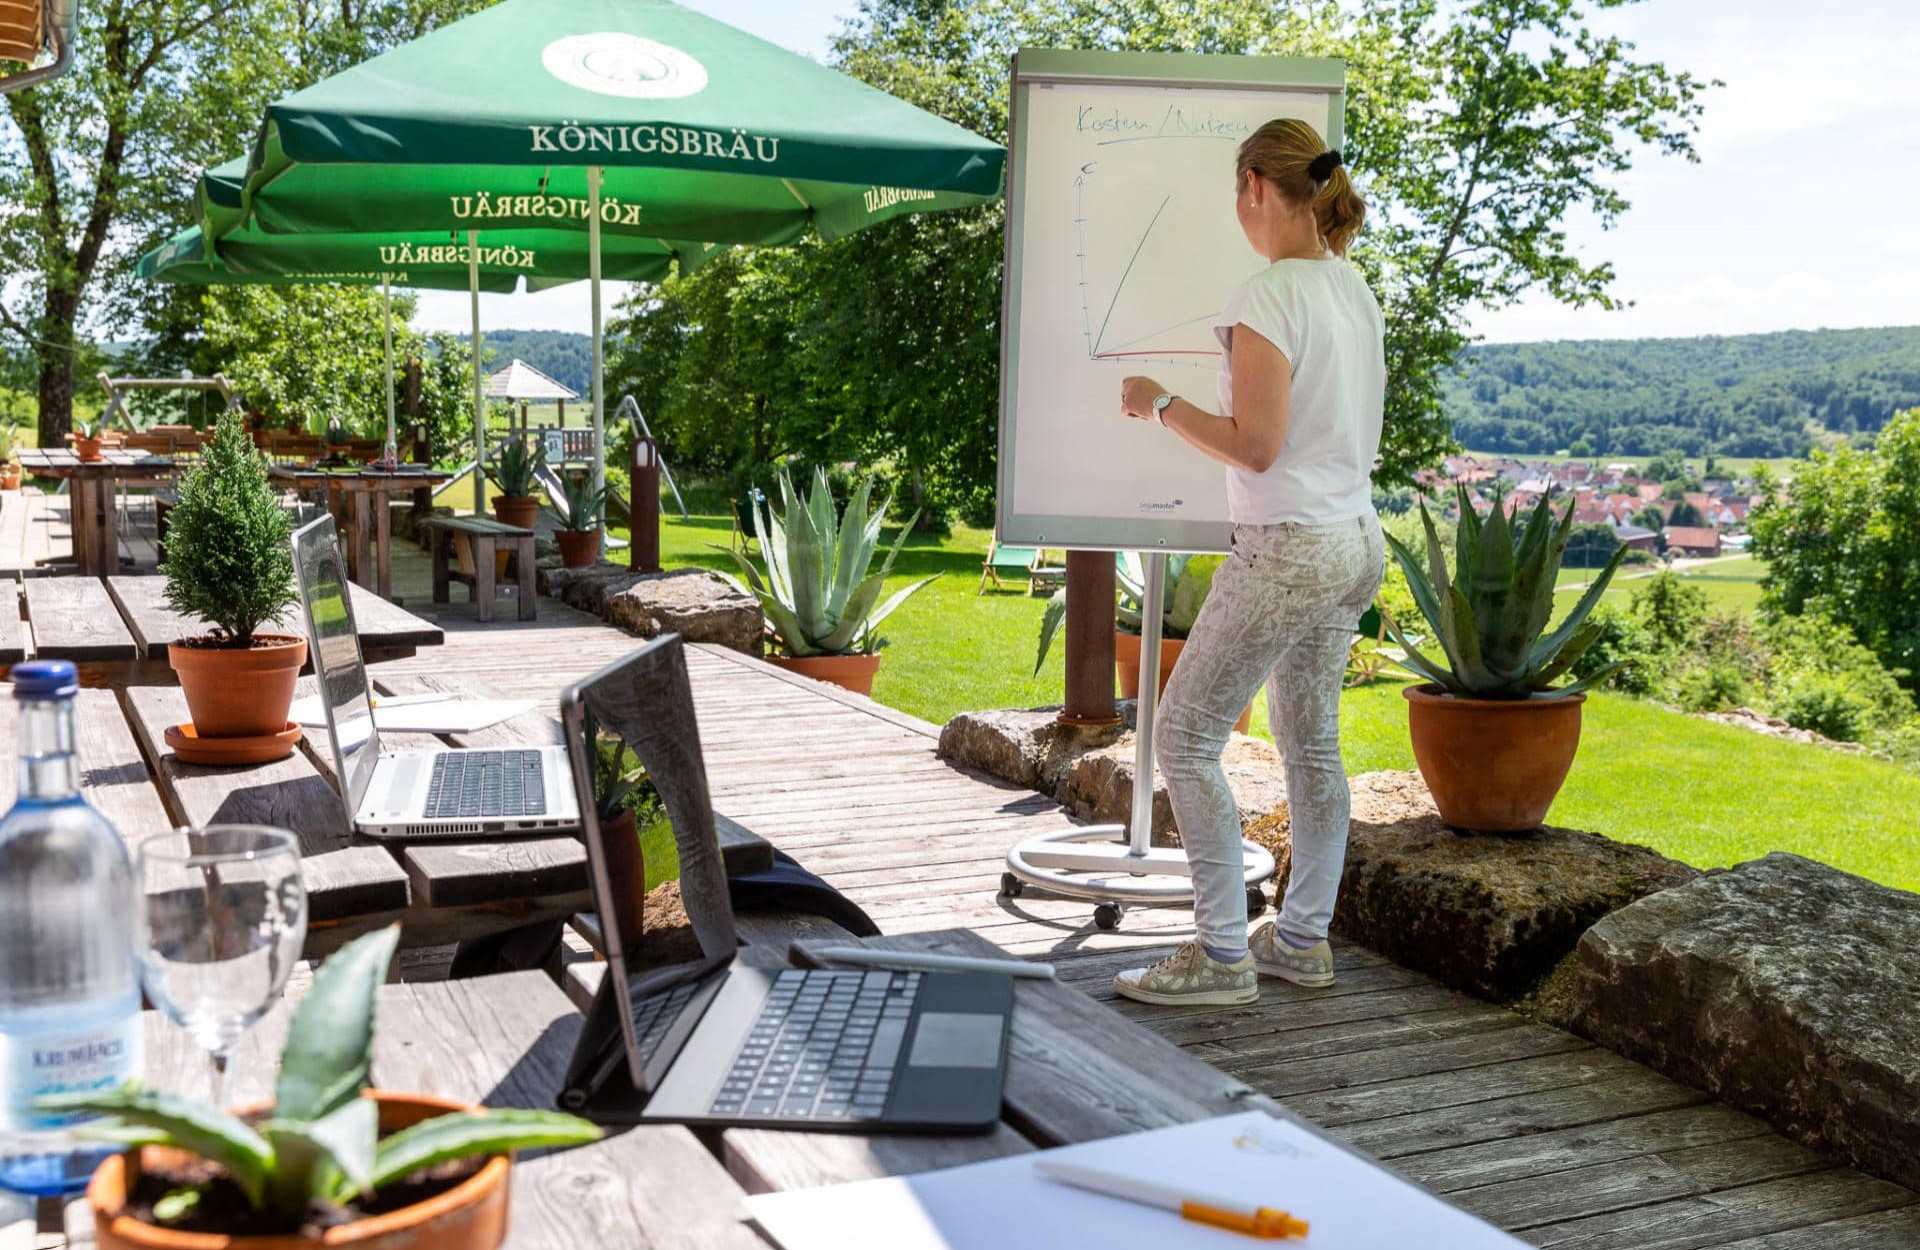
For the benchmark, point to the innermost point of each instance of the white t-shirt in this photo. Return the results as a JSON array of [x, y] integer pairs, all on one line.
[[1324, 319]]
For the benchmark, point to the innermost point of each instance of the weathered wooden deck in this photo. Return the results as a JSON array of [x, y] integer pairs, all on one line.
[[1535, 1129]]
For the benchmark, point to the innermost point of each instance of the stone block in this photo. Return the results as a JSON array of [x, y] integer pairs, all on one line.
[[1785, 987], [693, 603], [1490, 914]]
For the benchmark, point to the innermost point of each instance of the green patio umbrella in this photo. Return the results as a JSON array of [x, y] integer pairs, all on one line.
[[625, 116]]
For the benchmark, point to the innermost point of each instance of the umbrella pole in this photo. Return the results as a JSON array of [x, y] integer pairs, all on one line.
[[386, 346], [599, 393], [479, 401]]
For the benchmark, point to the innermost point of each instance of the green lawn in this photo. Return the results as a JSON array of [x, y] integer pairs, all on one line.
[[1704, 793], [1730, 582]]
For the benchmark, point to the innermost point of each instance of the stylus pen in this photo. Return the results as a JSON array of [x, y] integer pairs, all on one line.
[[1239, 1217], [875, 957]]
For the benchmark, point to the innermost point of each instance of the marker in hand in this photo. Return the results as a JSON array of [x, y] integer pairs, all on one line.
[[1239, 1217]]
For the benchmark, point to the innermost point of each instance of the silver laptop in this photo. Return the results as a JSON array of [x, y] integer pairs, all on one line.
[[412, 794]]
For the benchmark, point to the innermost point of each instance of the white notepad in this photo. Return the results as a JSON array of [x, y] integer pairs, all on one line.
[[1005, 1204], [441, 716]]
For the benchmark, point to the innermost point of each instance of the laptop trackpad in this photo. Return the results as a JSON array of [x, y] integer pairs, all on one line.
[[956, 1039]]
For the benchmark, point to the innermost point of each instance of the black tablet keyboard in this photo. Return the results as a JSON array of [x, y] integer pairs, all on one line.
[[825, 1047]]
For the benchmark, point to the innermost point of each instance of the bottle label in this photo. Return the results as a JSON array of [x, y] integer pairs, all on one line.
[[42, 1065]]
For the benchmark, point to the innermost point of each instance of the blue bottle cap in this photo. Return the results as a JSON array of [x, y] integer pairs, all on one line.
[[45, 679]]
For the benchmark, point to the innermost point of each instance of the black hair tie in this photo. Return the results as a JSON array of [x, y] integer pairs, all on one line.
[[1322, 166]]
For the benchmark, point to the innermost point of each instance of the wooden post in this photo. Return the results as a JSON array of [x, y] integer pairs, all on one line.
[[1089, 630], [643, 508]]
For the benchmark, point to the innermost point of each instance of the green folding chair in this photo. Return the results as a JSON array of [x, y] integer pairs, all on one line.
[[1013, 561]]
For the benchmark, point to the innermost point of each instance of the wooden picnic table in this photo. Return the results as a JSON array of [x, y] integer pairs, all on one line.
[[1078, 1071], [119, 628], [96, 537], [444, 891], [361, 501]]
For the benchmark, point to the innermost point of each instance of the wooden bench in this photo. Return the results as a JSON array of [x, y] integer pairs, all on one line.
[[485, 537]]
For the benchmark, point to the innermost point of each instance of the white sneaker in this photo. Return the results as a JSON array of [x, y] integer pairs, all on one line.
[[1312, 967], [1190, 975]]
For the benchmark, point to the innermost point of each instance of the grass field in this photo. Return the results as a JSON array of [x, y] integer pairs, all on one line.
[[1781, 465], [1704, 793], [1730, 582]]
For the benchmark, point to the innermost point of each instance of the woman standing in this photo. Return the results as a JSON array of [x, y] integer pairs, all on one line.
[[1301, 389]]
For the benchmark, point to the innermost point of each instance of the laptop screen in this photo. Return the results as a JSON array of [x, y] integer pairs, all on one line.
[[337, 666], [644, 703]]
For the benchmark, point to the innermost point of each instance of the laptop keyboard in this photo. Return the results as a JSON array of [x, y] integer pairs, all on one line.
[[652, 1017], [825, 1047], [486, 783]]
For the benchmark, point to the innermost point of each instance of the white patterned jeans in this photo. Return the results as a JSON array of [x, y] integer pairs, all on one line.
[[1282, 611]]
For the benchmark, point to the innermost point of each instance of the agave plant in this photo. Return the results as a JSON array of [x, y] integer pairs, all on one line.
[[816, 589], [321, 1141], [1189, 579], [1489, 615], [515, 468], [582, 505]]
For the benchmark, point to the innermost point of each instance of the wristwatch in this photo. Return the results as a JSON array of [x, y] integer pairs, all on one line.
[[1160, 405]]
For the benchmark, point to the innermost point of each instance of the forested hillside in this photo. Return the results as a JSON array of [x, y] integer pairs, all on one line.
[[1745, 395], [560, 354]]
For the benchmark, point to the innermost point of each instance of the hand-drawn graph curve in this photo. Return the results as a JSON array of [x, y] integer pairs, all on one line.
[[1136, 305]]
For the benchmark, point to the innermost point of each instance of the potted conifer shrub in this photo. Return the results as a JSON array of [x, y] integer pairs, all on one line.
[[1492, 734], [817, 591], [329, 1162], [578, 522], [229, 563]]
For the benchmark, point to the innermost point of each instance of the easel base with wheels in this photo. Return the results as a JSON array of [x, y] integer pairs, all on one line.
[[1116, 865]]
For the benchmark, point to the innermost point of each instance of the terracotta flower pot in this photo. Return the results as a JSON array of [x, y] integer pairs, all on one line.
[[470, 1216], [849, 672], [234, 693], [89, 450], [520, 511], [578, 549], [1493, 765], [1126, 662], [463, 558], [10, 477]]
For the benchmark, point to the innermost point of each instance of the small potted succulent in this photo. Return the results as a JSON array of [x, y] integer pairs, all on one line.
[[9, 457], [329, 1162], [338, 440], [87, 441], [1493, 736], [229, 564], [817, 592], [578, 522], [515, 473], [1189, 581]]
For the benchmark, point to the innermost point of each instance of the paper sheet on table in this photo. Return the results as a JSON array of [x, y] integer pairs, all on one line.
[[1005, 1204], [443, 716]]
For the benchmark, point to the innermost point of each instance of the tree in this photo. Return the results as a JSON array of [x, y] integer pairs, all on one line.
[[1671, 610], [1847, 543], [98, 165], [1650, 517], [1580, 449], [1590, 545], [1684, 513]]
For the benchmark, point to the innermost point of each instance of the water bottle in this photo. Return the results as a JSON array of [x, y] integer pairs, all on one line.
[[69, 985]]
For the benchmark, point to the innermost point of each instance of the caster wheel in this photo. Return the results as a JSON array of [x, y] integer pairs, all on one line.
[[1106, 916], [1011, 886], [1256, 901]]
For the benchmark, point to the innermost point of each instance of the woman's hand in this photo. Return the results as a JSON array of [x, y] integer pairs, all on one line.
[[1137, 396]]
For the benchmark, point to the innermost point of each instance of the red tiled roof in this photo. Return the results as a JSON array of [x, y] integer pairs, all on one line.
[[1692, 536]]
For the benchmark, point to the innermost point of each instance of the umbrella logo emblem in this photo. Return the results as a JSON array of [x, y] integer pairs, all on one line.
[[619, 64]]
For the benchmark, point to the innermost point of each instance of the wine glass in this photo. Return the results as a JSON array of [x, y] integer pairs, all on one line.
[[225, 915]]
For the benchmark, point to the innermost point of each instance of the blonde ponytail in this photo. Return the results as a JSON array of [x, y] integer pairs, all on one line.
[[1289, 153]]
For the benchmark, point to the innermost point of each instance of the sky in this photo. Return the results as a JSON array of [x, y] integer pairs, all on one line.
[[1803, 212]]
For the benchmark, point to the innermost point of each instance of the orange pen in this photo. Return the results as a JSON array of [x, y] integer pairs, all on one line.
[[1239, 1217]]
